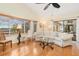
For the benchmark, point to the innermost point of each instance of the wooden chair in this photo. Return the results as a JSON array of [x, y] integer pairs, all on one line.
[[3, 40]]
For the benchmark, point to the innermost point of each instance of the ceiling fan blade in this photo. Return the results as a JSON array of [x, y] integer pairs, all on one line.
[[46, 6], [56, 5]]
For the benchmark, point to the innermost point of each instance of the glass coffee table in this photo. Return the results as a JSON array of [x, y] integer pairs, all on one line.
[[46, 41]]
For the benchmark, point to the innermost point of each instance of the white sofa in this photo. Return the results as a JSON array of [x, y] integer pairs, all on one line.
[[63, 39], [60, 39]]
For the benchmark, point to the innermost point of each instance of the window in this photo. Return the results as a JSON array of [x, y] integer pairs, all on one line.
[[9, 26]]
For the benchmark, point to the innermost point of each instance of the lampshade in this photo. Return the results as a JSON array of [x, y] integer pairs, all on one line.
[[19, 26], [43, 23]]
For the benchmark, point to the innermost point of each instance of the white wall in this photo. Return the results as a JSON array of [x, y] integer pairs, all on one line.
[[77, 29], [47, 27]]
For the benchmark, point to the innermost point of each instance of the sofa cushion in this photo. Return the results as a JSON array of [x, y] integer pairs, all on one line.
[[65, 36]]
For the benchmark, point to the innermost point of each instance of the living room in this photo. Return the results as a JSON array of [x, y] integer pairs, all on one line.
[[45, 29]]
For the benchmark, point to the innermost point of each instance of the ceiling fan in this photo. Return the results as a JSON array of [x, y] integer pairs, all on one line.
[[56, 5]]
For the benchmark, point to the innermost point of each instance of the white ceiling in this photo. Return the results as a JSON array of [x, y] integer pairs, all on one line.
[[34, 11], [67, 10]]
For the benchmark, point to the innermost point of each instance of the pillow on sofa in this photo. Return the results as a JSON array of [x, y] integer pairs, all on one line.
[[55, 34], [65, 36]]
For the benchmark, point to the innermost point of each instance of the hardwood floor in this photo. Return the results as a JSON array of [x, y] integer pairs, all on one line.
[[31, 48]]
